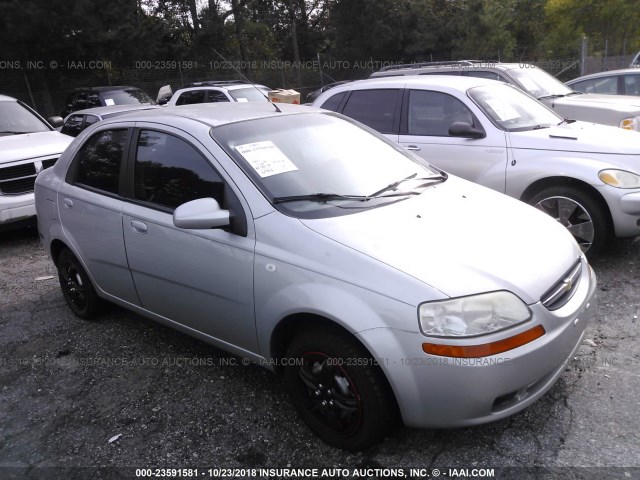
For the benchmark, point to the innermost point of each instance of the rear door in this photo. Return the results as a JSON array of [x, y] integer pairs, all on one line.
[[376, 108]]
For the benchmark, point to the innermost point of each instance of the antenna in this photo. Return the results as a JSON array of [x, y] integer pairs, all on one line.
[[246, 79]]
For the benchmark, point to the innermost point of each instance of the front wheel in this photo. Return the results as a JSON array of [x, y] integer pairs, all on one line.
[[578, 212], [76, 286], [338, 391]]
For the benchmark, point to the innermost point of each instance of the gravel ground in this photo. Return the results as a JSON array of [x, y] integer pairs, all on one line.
[[126, 392]]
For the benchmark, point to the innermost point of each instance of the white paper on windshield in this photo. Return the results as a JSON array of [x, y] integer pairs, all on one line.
[[503, 110], [109, 102], [266, 159], [242, 99]]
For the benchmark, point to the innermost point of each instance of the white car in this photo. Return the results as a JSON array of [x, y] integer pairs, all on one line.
[[214, 92], [586, 176], [28, 145]]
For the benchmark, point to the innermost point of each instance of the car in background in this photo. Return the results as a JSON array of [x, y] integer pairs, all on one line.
[[378, 286], [603, 109], [28, 145], [90, 97], [586, 176], [635, 63], [214, 92], [311, 96], [78, 121], [613, 82]]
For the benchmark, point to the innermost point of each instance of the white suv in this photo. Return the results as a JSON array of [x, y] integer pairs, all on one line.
[[28, 145], [213, 92]]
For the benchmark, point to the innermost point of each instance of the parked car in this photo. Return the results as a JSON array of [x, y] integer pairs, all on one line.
[[603, 109], [635, 63], [90, 97], [212, 92], [28, 145], [374, 283], [78, 121], [613, 82], [584, 175]]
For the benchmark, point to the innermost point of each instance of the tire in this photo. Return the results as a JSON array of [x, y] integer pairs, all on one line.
[[579, 212], [76, 287], [338, 391]]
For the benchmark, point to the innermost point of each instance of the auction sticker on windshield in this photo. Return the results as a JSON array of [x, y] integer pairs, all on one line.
[[266, 159]]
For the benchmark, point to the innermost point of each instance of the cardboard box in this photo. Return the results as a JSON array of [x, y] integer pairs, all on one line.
[[284, 96]]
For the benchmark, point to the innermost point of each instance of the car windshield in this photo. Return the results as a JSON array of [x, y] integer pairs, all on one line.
[[126, 97], [317, 165], [249, 94], [539, 83], [512, 110], [16, 119]]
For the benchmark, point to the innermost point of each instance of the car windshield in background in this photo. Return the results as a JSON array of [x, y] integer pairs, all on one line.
[[249, 94], [125, 97], [319, 165], [16, 119], [539, 83], [511, 109]]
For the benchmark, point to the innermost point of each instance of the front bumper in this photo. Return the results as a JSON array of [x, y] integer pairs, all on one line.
[[434, 392], [624, 206], [14, 208]]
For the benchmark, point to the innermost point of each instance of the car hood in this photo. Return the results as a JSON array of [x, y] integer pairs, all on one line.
[[621, 103], [32, 145], [579, 137], [461, 239]]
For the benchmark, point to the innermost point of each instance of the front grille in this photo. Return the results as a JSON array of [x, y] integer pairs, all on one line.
[[558, 295], [24, 170], [15, 187]]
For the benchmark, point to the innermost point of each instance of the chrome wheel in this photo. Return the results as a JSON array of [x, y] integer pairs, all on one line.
[[573, 216]]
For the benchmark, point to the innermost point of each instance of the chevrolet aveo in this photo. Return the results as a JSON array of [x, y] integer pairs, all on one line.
[[381, 289]]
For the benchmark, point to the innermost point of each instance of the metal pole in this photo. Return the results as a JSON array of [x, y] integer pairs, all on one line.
[[583, 57]]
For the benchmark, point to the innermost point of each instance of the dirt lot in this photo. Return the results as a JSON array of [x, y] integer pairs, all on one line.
[[126, 392]]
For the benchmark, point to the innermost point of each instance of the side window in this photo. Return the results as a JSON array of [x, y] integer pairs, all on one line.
[[97, 164], [432, 113], [484, 74], [169, 172], [334, 102], [188, 98], [607, 85], [632, 84], [90, 120], [214, 96], [374, 108], [73, 126], [585, 86]]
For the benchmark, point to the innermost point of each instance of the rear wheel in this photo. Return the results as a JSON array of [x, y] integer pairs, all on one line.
[[578, 212], [338, 391], [76, 286]]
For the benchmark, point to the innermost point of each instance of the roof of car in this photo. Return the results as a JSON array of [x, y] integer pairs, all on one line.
[[223, 86], [608, 73], [218, 113], [5, 98], [457, 65], [455, 81], [104, 88]]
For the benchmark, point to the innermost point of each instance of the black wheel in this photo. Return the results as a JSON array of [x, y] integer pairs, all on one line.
[[76, 286], [338, 391], [578, 212]]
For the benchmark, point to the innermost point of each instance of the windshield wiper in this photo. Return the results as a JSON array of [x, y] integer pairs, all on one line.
[[566, 120], [394, 185], [319, 197], [554, 95], [540, 127]]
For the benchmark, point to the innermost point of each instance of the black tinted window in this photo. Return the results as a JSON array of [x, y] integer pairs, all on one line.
[[334, 102], [99, 160], [432, 113], [374, 108], [73, 125], [216, 96], [170, 172], [187, 98]]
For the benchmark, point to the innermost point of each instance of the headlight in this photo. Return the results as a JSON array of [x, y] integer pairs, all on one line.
[[631, 123], [620, 178], [472, 316]]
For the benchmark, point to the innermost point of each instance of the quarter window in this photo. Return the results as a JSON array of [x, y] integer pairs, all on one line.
[[374, 108], [99, 161], [334, 102], [169, 172]]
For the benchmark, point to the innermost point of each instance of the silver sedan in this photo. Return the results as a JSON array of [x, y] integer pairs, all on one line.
[[382, 289]]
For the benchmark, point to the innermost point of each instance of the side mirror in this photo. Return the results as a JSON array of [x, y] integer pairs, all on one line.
[[55, 121], [200, 214], [464, 130], [163, 101]]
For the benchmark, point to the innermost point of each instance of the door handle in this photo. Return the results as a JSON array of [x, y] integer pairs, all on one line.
[[68, 203], [413, 148], [138, 226]]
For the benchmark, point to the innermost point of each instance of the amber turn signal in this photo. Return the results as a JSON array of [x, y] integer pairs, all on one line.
[[486, 349]]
